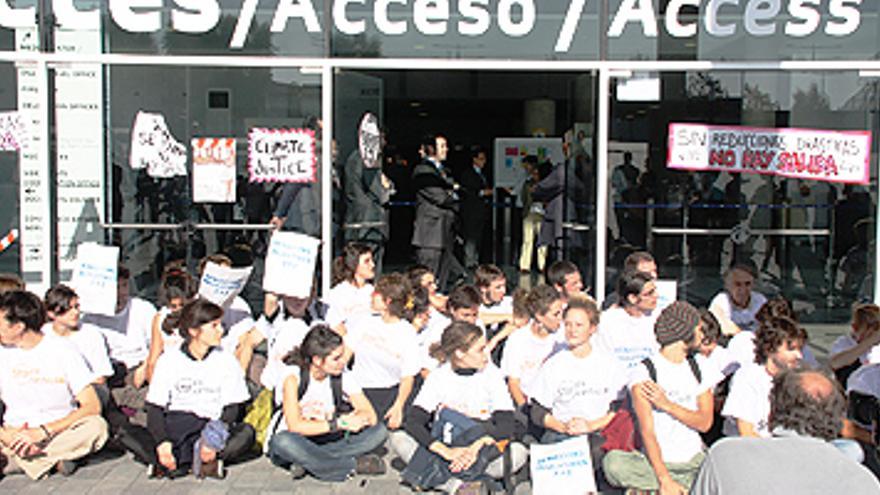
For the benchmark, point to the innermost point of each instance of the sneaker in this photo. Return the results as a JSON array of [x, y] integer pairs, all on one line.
[[297, 472], [213, 469], [156, 471], [370, 464], [66, 468]]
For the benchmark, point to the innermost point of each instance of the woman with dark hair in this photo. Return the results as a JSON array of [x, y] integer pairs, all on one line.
[[176, 289], [462, 420], [327, 423], [386, 350], [351, 292], [195, 400]]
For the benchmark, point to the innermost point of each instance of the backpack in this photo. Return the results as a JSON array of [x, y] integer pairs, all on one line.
[[692, 362]]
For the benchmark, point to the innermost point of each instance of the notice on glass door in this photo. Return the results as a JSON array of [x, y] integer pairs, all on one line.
[[814, 154], [213, 170]]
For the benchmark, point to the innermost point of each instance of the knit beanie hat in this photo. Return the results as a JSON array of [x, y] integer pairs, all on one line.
[[676, 322]]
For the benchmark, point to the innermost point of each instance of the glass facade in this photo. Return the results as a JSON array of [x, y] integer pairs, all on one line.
[[488, 75]]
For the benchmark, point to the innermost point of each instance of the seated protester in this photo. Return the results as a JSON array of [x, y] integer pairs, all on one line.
[[421, 276], [565, 277], [238, 318], [386, 350], [176, 289], [195, 400], [519, 318], [62, 311], [855, 349], [127, 334], [10, 282], [328, 425], [53, 415], [351, 292], [806, 411], [496, 306], [419, 314], [627, 331], [460, 421], [528, 347], [463, 304], [741, 347], [863, 412], [672, 400], [778, 344], [710, 352], [576, 387], [638, 261], [736, 306]]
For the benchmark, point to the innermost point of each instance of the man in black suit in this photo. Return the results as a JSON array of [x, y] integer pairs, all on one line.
[[436, 206], [474, 189]]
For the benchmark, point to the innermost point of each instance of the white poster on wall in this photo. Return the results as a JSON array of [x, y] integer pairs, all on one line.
[[94, 278], [79, 120], [282, 155], [154, 148], [509, 153], [13, 132], [290, 264], [213, 170]]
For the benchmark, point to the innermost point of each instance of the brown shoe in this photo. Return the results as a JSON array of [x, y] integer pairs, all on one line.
[[213, 469], [370, 464]]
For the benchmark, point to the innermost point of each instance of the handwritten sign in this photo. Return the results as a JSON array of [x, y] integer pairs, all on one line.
[[282, 155], [154, 148], [369, 140], [94, 278], [558, 467], [290, 264], [220, 284], [213, 170], [833, 156], [13, 133]]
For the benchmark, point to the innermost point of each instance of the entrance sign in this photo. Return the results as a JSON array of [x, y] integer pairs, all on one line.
[[833, 156], [213, 170], [290, 264], [562, 467], [220, 284], [154, 148], [94, 278], [13, 133], [282, 155]]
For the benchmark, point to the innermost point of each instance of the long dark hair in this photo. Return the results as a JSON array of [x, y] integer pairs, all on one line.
[[319, 342], [193, 315], [345, 265], [458, 336]]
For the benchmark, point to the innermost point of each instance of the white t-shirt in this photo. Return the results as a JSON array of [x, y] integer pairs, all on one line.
[[39, 385], [744, 318], [127, 332], [383, 353], [345, 300], [525, 352], [237, 320], [748, 400], [204, 388], [284, 335], [573, 387], [677, 441], [846, 342], [317, 403], [719, 365], [865, 380], [476, 396], [431, 334], [628, 338], [90, 343]]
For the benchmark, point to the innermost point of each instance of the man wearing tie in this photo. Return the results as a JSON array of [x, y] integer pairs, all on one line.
[[474, 190]]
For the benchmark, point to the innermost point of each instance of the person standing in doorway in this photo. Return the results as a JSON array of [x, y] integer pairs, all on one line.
[[436, 206]]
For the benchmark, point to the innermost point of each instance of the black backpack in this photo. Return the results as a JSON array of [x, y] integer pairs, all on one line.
[[692, 362], [339, 402]]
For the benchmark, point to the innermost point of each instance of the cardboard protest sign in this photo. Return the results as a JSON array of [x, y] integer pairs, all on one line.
[[833, 156], [221, 284], [369, 140], [282, 155], [13, 132], [94, 278], [290, 264], [213, 170], [563, 467], [154, 148]]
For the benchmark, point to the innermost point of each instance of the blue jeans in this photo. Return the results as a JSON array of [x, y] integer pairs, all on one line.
[[330, 461]]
